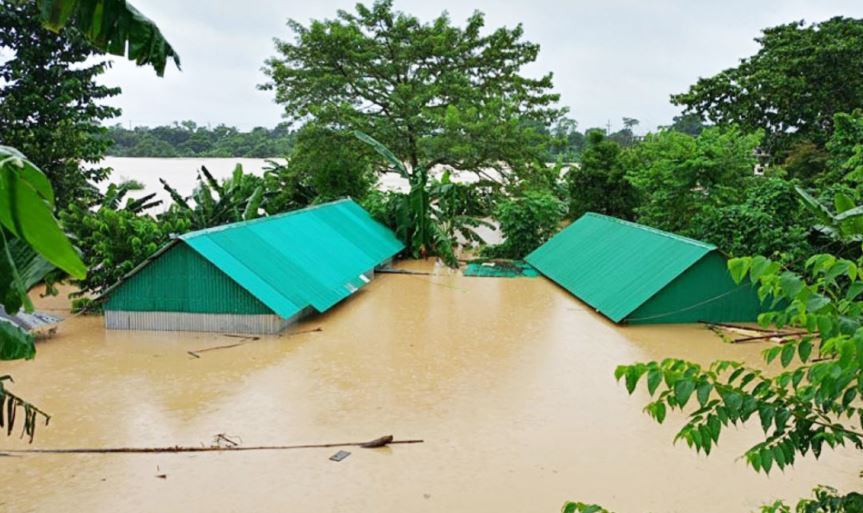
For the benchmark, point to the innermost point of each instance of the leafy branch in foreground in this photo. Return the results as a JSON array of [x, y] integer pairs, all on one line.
[[27, 219], [809, 404], [9, 405]]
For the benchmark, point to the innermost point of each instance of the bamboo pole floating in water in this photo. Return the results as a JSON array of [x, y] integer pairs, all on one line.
[[378, 442]]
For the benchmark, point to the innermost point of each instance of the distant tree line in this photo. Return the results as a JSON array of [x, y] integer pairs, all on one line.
[[188, 139]]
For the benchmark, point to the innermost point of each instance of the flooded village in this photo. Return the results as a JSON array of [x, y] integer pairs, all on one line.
[[395, 256]]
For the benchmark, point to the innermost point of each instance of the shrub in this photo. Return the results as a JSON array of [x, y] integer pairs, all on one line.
[[526, 222]]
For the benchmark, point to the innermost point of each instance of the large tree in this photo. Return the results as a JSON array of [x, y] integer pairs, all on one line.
[[679, 176], [598, 183], [433, 93], [50, 106], [801, 76]]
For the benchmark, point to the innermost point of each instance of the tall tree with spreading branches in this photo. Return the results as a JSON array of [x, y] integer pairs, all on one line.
[[433, 93], [50, 103], [791, 89]]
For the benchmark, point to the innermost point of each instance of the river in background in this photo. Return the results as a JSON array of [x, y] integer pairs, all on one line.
[[181, 174]]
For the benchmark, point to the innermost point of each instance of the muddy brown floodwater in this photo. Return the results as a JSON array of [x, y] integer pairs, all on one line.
[[508, 381]]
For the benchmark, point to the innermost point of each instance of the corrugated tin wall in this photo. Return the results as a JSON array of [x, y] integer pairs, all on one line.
[[178, 321], [181, 280], [704, 292]]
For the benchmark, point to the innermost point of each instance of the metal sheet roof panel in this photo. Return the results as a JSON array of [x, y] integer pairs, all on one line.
[[309, 257], [614, 265]]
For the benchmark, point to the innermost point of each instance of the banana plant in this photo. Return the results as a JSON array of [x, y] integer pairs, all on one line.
[[116, 193], [845, 226], [429, 218], [114, 26], [213, 203]]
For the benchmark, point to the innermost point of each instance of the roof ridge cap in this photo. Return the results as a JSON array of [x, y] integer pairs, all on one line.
[[237, 224], [657, 231]]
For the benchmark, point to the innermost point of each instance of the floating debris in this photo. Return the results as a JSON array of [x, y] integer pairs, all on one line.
[[339, 456], [38, 324]]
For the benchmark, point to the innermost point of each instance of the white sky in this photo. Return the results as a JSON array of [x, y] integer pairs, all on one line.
[[610, 59]]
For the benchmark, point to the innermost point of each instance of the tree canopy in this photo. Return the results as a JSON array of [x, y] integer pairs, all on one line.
[[434, 93], [50, 103], [800, 78]]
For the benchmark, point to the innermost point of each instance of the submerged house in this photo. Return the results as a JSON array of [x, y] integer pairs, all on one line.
[[635, 274], [255, 276]]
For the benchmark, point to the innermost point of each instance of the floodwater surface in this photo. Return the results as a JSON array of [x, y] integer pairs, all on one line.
[[509, 382]]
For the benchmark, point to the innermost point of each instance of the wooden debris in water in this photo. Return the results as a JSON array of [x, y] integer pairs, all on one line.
[[378, 442], [751, 333], [246, 338]]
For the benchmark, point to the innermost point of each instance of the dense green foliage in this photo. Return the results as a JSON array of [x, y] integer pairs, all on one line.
[[187, 139], [766, 219], [678, 177], [30, 235], [50, 102], [598, 183], [431, 93], [800, 78], [325, 165], [115, 241]]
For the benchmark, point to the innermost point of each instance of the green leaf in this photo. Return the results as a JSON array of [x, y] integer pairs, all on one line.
[[683, 390], [781, 419], [804, 349], [765, 414], [791, 284], [797, 377], [760, 265], [633, 373], [779, 456], [29, 216], [15, 343], [654, 378], [715, 425], [733, 401], [704, 393], [657, 410], [112, 26], [854, 291], [766, 457], [816, 302], [384, 152], [787, 354], [822, 212], [772, 353], [738, 267]]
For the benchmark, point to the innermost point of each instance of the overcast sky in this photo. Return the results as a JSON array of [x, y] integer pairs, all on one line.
[[610, 59]]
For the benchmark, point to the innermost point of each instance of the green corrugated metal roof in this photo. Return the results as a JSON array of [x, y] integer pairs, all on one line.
[[614, 265], [309, 257]]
